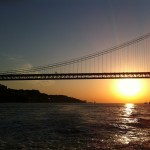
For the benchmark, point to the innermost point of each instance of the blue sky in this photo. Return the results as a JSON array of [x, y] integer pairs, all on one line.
[[41, 32]]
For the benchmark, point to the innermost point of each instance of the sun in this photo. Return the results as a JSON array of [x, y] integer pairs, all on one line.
[[129, 87]]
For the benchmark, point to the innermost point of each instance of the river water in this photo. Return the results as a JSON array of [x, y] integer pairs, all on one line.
[[44, 126]]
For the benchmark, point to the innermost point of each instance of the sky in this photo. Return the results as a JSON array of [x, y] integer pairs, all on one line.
[[41, 32]]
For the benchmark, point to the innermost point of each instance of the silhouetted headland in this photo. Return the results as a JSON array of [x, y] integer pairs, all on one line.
[[8, 95]]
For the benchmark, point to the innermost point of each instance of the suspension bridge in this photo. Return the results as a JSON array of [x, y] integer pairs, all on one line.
[[127, 60]]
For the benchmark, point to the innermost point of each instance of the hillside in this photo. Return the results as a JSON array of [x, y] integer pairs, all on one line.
[[8, 95]]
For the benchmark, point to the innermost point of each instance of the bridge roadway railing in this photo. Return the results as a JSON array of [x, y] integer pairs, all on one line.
[[68, 76]]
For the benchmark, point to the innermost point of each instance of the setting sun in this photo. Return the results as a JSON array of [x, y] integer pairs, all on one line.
[[129, 90], [129, 87]]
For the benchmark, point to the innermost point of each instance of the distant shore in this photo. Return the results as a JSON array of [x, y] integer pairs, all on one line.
[[8, 95]]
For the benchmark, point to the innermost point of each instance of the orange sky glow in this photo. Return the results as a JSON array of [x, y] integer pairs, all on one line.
[[100, 91]]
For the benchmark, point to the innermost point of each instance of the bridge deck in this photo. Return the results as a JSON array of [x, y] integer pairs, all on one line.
[[69, 76]]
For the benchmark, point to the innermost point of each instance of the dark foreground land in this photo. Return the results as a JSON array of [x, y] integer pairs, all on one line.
[[8, 95]]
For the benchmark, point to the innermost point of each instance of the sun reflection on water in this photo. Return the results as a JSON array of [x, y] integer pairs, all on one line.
[[128, 109], [127, 119], [124, 139]]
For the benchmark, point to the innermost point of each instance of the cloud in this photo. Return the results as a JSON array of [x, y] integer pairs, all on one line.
[[13, 62], [27, 66], [15, 59], [18, 62]]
